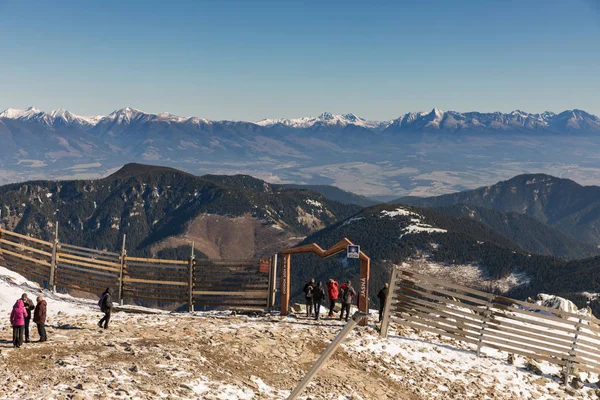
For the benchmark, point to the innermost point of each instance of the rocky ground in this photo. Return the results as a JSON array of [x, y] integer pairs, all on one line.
[[169, 356], [212, 355]]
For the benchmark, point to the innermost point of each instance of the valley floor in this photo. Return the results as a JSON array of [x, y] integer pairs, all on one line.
[[224, 356]]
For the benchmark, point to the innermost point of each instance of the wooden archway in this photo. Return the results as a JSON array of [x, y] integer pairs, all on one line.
[[342, 245]]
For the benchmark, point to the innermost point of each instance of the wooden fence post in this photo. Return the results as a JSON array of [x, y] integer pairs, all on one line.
[[191, 280], [485, 319], [122, 269], [569, 366], [53, 263], [385, 323]]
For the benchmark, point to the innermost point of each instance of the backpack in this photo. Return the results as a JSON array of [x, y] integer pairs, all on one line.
[[309, 291], [101, 302]]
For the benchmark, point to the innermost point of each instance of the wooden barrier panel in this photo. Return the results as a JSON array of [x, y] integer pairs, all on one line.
[[485, 320], [211, 283]]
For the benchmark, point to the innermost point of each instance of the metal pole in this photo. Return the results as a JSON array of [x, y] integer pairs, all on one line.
[[191, 281], [387, 309], [53, 261], [122, 271], [273, 281], [356, 318]]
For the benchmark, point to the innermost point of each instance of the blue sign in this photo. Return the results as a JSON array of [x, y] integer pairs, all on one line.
[[353, 251]]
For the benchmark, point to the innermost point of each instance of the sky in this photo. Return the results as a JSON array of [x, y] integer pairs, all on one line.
[[249, 60]]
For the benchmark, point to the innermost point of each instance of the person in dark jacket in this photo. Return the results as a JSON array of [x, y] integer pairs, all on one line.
[[318, 297], [309, 292], [332, 294], [382, 296], [17, 320], [39, 317], [106, 306], [347, 293], [29, 306]]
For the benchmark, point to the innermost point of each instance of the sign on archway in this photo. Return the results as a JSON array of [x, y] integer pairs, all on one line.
[[343, 245]]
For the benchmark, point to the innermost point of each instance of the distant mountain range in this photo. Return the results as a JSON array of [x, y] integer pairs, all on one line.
[[575, 121], [424, 153]]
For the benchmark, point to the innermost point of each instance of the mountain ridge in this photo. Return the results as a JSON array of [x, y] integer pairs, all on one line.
[[452, 121]]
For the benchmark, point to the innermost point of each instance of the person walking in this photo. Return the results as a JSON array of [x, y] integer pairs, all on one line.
[[348, 293], [332, 294], [382, 296], [29, 306], [309, 291], [17, 320], [318, 298], [39, 318], [106, 306]]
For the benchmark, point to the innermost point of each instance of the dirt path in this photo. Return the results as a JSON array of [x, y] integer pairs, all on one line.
[[154, 356]]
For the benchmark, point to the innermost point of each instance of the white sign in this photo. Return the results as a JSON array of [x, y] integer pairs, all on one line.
[[353, 252]]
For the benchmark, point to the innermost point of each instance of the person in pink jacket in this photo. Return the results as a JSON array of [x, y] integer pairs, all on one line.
[[17, 320]]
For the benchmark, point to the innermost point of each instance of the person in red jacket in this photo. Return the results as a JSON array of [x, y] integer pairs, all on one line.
[[332, 293], [39, 317], [17, 320]]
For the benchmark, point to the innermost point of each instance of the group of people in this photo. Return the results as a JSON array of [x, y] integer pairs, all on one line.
[[24, 310], [314, 294], [21, 316]]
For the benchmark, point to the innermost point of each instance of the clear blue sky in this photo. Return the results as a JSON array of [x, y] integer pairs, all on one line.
[[253, 59]]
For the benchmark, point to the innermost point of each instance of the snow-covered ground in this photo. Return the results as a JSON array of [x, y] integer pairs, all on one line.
[[220, 355]]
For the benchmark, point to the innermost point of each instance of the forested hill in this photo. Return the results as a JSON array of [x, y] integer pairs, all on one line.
[[151, 203], [337, 194], [392, 234], [560, 203], [526, 231]]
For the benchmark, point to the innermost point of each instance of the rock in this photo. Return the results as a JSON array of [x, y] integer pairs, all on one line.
[[597, 393], [577, 383], [511, 359], [297, 307], [571, 392], [533, 367]]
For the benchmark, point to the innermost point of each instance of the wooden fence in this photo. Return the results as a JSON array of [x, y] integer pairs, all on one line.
[[486, 320], [207, 283]]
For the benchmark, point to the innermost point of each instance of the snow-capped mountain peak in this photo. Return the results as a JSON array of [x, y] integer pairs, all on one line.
[[15, 113]]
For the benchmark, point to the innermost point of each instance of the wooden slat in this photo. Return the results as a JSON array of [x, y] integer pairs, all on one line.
[[5, 232], [131, 280], [562, 336], [158, 267], [503, 314], [19, 262], [157, 261], [61, 261], [447, 313], [84, 287], [87, 249], [464, 289], [497, 338], [591, 354], [524, 353], [555, 311], [565, 324], [66, 268], [20, 246], [219, 293], [87, 259], [42, 262], [438, 331], [412, 293], [432, 289], [586, 359], [163, 300], [590, 338], [456, 322], [103, 257], [438, 306], [587, 368], [548, 343]]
